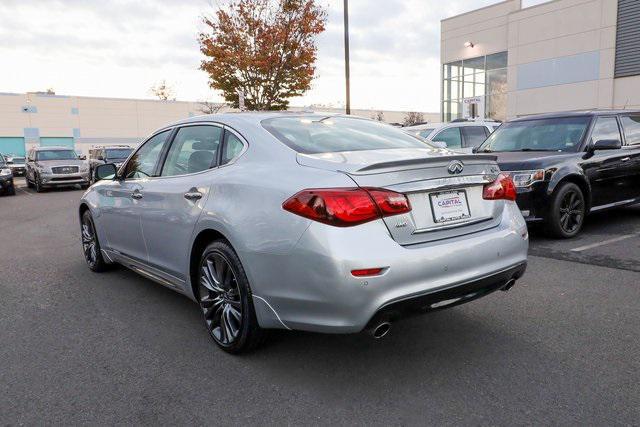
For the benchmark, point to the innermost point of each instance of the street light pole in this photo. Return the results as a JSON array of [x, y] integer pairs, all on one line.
[[346, 54]]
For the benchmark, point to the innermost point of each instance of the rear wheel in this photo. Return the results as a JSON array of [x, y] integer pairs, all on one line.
[[567, 211], [225, 299], [90, 244]]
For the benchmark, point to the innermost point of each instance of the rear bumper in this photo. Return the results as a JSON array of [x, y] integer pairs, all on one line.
[[533, 201], [311, 288]]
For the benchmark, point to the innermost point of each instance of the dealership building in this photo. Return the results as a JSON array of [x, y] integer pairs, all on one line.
[[44, 119], [505, 61]]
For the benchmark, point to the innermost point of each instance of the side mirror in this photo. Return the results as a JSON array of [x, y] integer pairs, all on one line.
[[606, 144], [107, 171], [439, 144]]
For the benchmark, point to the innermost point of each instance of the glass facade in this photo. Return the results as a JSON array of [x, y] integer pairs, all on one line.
[[482, 76]]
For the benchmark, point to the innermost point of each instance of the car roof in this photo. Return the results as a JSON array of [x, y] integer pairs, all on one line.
[[574, 113], [254, 117], [452, 124]]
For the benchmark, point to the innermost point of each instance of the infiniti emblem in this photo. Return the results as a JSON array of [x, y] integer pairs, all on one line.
[[455, 167]]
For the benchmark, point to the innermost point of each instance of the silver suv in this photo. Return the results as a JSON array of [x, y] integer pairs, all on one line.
[[55, 167]]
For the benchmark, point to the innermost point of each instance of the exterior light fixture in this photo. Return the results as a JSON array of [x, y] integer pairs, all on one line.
[[468, 44]]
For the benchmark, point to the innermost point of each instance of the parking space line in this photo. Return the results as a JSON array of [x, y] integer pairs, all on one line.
[[604, 242]]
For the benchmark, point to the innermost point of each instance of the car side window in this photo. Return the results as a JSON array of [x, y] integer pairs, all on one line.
[[194, 149], [143, 163], [474, 135], [605, 128], [631, 126], [450, 136], [232, 147]]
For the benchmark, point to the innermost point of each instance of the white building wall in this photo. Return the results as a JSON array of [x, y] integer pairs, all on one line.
[[561, 53]]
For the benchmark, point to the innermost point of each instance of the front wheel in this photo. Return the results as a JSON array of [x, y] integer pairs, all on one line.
[[567, 211], [11, 191], [225, 299], [38, 185]]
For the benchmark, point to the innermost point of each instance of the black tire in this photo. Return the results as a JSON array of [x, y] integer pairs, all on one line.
[[89, 237], [29, 183], [567, 211], [38, 185], [226, 301], [12, 190]]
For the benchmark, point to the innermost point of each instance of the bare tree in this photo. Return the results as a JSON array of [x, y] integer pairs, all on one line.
[[207, 107], [413, 117], [378, 115], [163, 91]]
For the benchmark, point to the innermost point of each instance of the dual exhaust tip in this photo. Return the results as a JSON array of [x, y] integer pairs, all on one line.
[[382, 328]]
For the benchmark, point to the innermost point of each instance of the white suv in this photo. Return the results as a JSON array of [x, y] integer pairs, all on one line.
[[459, 135]]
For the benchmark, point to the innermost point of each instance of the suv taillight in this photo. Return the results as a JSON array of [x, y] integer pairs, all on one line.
[[502, 188], [345, 207]]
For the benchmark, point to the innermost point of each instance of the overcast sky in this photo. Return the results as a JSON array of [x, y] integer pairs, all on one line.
[[120, 48]]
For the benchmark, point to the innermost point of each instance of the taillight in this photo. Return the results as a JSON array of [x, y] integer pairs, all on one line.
[[502, 188], [344, 207]]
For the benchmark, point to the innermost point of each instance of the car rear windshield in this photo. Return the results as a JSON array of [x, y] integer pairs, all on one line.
[[56, 155], [120, 153], [314, 134], [554, 134]]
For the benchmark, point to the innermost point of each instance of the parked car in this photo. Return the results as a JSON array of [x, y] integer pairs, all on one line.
[[305, 221], [459, 135], [566, 165], [17, 165], [55, 167], [6, 178], [115, 154]]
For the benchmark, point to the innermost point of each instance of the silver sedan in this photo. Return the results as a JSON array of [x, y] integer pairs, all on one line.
[[305, 221]]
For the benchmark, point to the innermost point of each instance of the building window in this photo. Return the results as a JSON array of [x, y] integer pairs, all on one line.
[[484, 76]]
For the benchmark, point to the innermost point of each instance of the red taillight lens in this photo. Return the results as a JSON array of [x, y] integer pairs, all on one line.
[[367, 272], [344, 207], [502, 188]]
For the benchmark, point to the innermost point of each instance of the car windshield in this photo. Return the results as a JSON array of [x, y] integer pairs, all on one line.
[[119, 153], [18, 160], [556, 134], [56, 155], [313, 134]]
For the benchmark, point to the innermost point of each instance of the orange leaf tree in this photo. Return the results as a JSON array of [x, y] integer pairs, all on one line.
[[265, 48]]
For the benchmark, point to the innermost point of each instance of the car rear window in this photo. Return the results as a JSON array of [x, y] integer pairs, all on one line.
[[315, 134]]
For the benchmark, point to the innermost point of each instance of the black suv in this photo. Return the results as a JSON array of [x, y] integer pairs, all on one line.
[[566, 165]]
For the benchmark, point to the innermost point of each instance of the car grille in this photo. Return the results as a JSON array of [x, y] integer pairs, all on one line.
[[65, 169]]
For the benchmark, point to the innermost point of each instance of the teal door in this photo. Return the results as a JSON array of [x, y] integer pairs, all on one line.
[[12, 146], [64, 142]]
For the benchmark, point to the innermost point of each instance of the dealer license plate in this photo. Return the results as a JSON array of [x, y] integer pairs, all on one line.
[[449, 206]]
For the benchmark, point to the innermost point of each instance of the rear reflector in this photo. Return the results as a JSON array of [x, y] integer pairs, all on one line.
[[367, 272], [345, 207], [502, 188]]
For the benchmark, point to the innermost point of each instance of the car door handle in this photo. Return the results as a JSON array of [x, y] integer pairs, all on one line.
[[136, 195], [626, 159], [193, 195]]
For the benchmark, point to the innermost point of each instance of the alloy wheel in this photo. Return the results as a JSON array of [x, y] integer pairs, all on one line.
[[89, 246], [220, 299], [571, 212]]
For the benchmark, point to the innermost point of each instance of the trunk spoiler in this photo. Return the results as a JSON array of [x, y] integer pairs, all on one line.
[[472, 158]]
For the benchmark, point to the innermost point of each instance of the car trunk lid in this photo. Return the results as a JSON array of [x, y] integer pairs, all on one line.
[[444, 188]]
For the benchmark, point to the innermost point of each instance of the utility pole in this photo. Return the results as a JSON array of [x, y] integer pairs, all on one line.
[[346, 54]]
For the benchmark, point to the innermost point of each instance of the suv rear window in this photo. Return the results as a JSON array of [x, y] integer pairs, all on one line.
[[314, 134]]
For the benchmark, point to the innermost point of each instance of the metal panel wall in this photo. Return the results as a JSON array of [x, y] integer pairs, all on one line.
[[628, 39]]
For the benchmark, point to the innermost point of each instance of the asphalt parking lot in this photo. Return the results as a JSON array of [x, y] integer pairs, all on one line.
[[561, 348]]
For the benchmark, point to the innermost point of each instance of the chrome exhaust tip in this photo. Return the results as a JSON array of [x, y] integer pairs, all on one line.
[[508, 285], [380, 330]]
